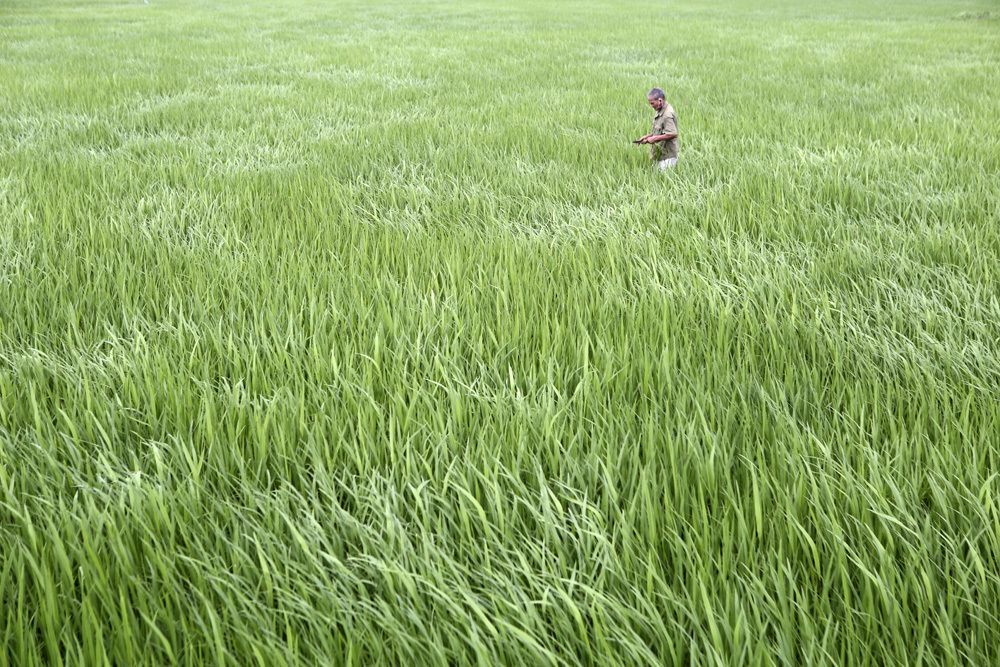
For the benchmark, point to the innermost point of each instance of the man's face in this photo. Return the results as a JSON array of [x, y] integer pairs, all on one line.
[[655, 102]]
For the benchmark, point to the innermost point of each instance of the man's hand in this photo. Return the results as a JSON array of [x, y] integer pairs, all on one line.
[[656, 138], [642, 140]]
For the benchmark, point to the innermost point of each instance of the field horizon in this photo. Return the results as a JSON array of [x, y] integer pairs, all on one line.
[[359, 333]]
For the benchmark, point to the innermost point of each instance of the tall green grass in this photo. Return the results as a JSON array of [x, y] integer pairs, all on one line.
[[358, 333]]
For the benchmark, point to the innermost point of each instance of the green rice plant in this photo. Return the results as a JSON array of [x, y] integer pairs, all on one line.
[[359, 333]]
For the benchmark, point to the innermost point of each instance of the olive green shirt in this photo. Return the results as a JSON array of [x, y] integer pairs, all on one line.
[[664, 122]]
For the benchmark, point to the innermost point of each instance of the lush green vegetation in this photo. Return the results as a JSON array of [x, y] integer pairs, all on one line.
[[349, 332]]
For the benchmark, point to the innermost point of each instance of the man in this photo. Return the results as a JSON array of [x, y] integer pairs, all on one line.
[[663, 139]]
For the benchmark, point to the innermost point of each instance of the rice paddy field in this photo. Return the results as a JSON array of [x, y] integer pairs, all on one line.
[[356, 333]]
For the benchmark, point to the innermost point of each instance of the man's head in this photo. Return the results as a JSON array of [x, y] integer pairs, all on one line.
[[656, 98]]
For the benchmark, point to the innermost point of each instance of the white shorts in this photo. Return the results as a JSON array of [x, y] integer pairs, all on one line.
[[663, 165]]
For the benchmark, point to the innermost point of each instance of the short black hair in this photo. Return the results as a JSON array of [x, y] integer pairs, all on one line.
[[656, 94]]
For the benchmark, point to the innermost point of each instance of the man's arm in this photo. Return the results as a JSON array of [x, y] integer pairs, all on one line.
[[655, 138], [667, 127]]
